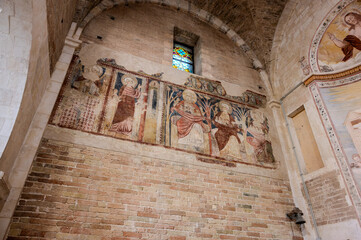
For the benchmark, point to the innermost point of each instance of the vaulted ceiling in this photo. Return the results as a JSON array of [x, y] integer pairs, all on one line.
[[254, 21]]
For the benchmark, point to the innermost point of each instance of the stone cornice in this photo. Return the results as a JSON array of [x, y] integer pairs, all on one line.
[[331, 76]]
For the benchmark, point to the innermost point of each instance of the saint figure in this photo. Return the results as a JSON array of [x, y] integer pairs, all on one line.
[[226, 136], [351, 41], [124, 114], [189, 122]]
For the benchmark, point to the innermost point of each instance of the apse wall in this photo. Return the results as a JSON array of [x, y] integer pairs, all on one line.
[[305, 83], [146, 175], [147, 32]]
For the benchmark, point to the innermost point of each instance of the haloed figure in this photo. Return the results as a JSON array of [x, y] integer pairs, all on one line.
[[189, 121], [227, 131], [351, 41], [124, 114]]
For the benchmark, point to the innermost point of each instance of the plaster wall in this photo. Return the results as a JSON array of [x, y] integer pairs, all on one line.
[[302, 97], [296, 28], [126, 41], [141, 38], [295, 31], [146, 31]]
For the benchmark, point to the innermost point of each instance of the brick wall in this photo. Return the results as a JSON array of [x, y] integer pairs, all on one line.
[[60, 16], [79, 192], [328, 199]]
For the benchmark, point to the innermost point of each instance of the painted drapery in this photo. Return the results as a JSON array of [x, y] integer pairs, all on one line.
[[198, 117]]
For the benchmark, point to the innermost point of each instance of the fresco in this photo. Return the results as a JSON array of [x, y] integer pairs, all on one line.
[[343, 105], [340, 44], [198, 117]]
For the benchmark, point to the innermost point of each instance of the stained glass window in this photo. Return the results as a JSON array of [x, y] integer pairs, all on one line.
[[183, 57]]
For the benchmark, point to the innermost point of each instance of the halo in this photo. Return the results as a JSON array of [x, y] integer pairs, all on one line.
[[353, 10], [129, 80], [225, 107], [98, 70], [189, 96]]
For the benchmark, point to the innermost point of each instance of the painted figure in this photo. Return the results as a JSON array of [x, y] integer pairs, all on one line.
[[351, 41], [257, 139], [189, 122], [124, 114], [88, 80], [226, 136]]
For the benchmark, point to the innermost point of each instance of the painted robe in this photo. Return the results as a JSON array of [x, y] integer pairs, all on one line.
[[190, 124], [123, 118]]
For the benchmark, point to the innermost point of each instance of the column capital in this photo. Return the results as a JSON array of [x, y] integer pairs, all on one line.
[[273, 103]]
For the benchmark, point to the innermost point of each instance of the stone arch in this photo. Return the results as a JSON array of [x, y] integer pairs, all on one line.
[[27, 74], [15, 41], [201, 14]]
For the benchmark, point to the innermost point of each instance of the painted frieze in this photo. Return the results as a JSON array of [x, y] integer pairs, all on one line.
[[197, 117]]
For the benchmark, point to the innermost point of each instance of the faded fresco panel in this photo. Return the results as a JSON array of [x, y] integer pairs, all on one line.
[[124, 109], [341, 44], [216, 127], [81, 99], [343, 105], [197, 117]]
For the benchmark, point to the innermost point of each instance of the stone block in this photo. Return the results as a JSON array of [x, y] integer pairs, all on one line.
[[6, 127], [11, 201], [65, 58], [59, 75], [47, 102], [17, 64], [68, 50], [22, 165], [23, 10], [20, 28], [3, 142], [3, 63], [4, 24], [4, 224], [7, 7], [17, 178], [7, 43], [54, 87], [22, 48], [61, 66], [4, 193]]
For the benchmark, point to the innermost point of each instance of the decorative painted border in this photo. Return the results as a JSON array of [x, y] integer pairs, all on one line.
[[107, 62], [342, 163], [200, 84], [327, 77], [313, 53]]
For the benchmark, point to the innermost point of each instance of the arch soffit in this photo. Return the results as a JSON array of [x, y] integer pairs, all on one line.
[[201, 14], [279, 35]]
